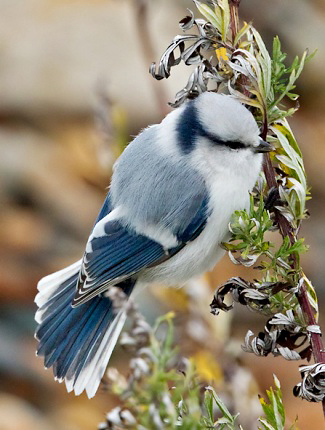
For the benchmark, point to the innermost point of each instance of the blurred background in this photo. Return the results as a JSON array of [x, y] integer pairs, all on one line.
[[74, 86]]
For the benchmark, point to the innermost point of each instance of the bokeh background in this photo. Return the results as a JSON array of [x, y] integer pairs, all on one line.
[[74, 86]]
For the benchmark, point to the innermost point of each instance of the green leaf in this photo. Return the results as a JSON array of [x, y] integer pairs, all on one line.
[[265, 62], [312, 296], [283, 78], [274, 410], [244, 99], [224, 5], [241, 33], [223, 408], [266, 425], [208, 402], [214, 17], [285, 129], [294, 160], [276, 382]]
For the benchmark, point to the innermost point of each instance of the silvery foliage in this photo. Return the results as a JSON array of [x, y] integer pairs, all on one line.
[[246, 68], [240, 62], [312, 387], [191, 55], [283, 334]]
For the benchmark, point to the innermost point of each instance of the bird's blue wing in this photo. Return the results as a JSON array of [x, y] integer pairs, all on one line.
[[105, 210], [113, 257], [198, 213], [118, 252]]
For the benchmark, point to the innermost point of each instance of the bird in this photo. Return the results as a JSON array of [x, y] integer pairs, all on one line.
[[173, 191]]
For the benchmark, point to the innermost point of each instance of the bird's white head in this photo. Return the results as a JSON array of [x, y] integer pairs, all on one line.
[[220, 119], [226, 118], [221, 131]]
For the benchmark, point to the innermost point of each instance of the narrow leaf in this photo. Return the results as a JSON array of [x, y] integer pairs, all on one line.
[[210, 15], [242, 32], [265, 62], [225, 18]]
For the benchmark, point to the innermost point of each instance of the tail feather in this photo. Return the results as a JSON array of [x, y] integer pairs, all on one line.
[[52, 318], [69, 338], [76, 342], [49, 284], [93, 366], [53, 289]]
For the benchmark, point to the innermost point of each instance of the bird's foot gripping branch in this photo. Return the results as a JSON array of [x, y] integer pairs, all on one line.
[[232, 58]]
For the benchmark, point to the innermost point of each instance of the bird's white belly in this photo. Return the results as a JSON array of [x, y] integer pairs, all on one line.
[[226, 196], [195, 258], [203, 253]]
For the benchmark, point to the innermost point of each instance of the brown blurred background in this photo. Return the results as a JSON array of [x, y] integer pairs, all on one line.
[[74, 85]]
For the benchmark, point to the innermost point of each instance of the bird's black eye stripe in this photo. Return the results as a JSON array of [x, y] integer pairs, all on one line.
[[190, 128], [234, 145], [217, 141]]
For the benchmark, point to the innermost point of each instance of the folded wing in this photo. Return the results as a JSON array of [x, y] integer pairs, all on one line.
[[115, 255], [116, 252]]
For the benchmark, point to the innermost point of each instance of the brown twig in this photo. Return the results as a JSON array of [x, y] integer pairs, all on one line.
[[141, 19], [234, 5], [285, 227]]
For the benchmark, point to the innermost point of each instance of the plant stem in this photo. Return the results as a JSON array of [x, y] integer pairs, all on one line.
[[234, 5], [302, 295], [285, 227]]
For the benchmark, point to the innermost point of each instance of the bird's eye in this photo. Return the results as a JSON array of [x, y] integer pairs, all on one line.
[[235, 145]]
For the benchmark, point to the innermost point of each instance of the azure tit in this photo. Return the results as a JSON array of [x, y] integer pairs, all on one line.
[[173, 191]]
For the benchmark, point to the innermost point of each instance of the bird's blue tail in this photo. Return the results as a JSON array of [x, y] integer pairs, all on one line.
[[76, 342]]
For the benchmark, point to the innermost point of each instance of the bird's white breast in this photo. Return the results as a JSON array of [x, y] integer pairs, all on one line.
[[228, 191]]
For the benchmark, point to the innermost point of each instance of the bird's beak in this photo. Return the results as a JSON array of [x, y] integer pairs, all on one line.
[[264, 147]]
